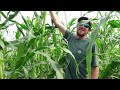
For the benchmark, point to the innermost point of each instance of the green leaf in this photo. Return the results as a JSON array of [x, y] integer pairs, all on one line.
[[3, 15], [1, 68], [94, 36], [41, 48], [19, 59], [26, 73], [25, 21], [68, 51], [28, 57], [114, 23], [54, 65], [4, 23], [19, 31], [35, 13], [13, 15], [71, 22], [2, 44], [22, 25], [104, 19], [18, 34], [95, 19], [74, 60]]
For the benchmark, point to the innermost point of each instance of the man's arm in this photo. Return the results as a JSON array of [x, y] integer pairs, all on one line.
[[95, 62], [57, 22], [95, 72]]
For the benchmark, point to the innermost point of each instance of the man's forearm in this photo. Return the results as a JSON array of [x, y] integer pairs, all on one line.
[[95, 73], [57, 22], [54, 17]]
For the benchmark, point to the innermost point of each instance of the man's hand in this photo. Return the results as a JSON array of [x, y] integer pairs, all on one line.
[[95, 72], [57, 22]]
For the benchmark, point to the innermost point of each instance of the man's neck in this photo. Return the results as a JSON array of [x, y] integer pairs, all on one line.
[[81, 37]]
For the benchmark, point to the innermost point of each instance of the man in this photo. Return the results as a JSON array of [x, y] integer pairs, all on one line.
[[77, 44]]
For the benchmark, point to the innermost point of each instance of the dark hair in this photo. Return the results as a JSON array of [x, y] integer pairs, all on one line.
[[85, 18]]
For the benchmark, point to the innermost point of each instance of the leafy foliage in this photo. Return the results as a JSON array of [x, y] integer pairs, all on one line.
[[39, 48]]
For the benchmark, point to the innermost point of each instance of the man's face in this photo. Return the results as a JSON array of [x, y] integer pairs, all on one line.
[[82, 29]]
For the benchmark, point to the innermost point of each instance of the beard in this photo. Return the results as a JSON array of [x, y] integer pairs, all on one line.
[[81, 35]]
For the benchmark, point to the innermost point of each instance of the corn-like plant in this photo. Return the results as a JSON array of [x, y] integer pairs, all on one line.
[[39, 50]]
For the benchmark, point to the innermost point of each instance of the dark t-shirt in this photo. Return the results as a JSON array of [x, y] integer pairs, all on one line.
[[78, 48]]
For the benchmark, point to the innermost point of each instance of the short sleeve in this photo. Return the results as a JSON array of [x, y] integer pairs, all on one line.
[[68, 35], [95, 57]]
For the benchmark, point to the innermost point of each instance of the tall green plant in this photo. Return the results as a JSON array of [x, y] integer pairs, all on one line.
[[93, 39]]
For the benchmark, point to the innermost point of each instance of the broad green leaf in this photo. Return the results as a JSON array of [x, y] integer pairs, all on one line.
[[54, 65], [19, 58], [93, 39], [89, 59], [114, 23], [74, 60], [68, 51]]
